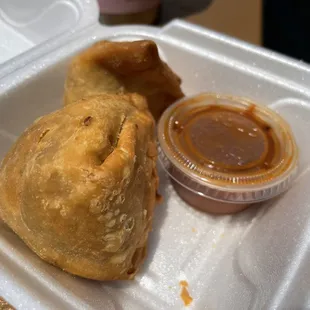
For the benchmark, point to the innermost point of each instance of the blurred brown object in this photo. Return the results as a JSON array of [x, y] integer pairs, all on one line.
[[122, 12], [4, 305], [238, 18], [145, 17]]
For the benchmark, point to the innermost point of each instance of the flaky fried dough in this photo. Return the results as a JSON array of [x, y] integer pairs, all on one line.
[[120, 67], [79, 186]]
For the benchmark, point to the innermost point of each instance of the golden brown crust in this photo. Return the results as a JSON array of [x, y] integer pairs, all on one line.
[[120, 67], [4, 305], [79, 186]]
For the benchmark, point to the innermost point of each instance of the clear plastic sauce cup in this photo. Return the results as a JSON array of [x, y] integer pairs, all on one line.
[[224, 153]]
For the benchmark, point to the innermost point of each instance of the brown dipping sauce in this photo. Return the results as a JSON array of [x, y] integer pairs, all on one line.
[[225, 139], [224, 153]]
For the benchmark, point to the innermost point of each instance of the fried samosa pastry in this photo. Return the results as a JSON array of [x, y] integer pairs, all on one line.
[[121, 67], [79, 186]]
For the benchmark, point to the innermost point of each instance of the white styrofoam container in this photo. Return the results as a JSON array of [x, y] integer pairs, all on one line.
[[25, 24], [258, 259]]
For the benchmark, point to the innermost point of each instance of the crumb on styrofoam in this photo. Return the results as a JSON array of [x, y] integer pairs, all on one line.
[[186, 297]]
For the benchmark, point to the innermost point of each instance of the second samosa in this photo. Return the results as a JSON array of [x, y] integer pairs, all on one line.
[[123, 67]]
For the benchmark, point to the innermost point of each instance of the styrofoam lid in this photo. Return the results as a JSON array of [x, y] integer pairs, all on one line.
[[24, 24]]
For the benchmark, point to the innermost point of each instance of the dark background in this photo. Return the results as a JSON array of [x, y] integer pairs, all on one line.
[[285, 23], [286, 27]]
